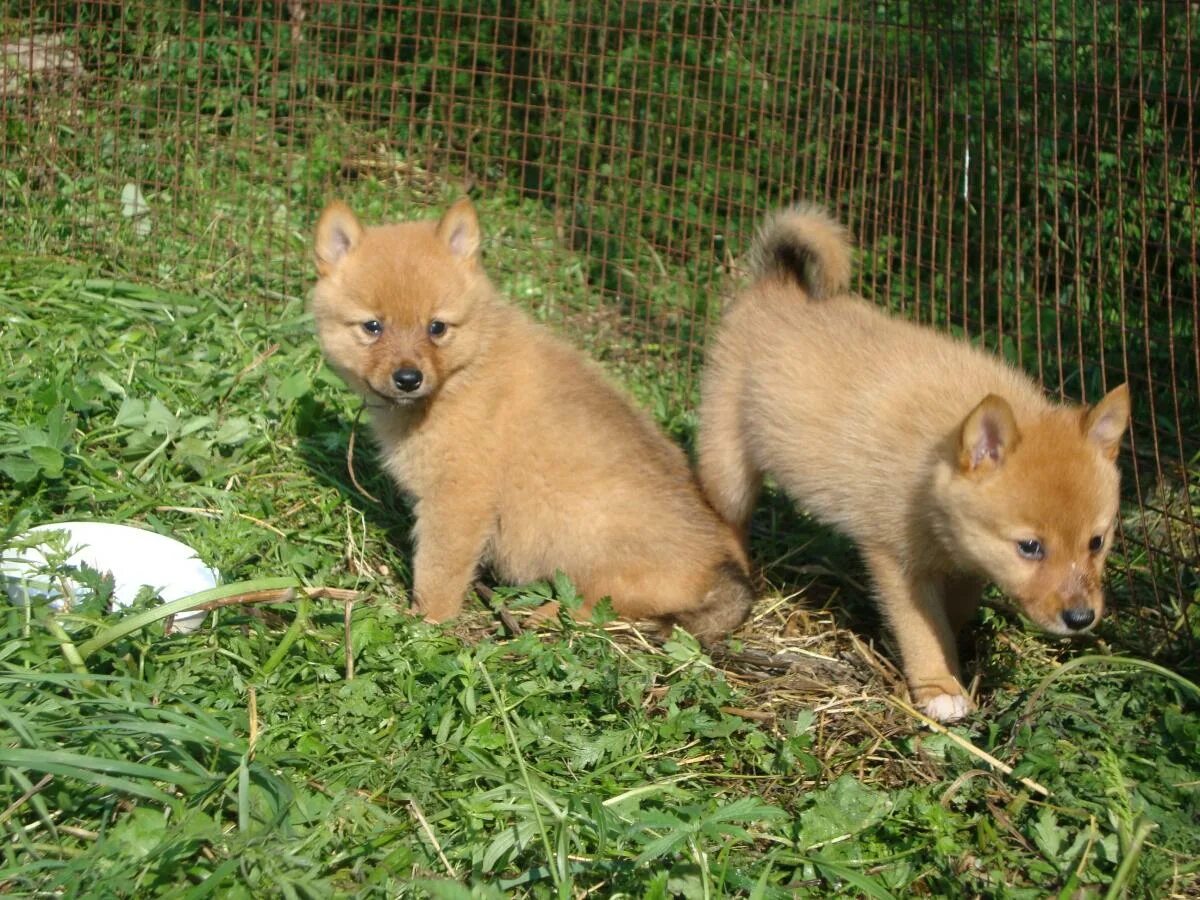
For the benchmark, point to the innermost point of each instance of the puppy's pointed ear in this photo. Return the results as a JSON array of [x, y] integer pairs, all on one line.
[[338, 232], [458, 229], [989, 433], [1105, 423]]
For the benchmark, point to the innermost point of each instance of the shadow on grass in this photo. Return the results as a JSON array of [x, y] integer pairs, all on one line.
[[794, 554], [323, 437]]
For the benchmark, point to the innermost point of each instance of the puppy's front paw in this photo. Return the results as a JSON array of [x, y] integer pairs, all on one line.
[[947, 707], [544, 614], [437, 610]]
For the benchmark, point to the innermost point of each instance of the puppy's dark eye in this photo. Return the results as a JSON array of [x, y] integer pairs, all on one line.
[[1031, 549], [437, 328], [1096, 543], [373, 327]]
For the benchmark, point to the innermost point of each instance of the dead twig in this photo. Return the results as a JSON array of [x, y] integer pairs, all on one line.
[[507, 619], [350, 458], [755, 715], [962, 742], [416, 810], [282, 595], [252, 715], [348, 613], [24, 798]]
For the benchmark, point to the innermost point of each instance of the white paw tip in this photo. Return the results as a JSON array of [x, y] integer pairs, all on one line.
[[947, 707]]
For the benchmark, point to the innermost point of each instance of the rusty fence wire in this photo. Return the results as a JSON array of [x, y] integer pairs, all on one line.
[[1023, 172]]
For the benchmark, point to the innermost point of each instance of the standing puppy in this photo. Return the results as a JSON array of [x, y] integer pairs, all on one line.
[[947, 467], [515, 450]]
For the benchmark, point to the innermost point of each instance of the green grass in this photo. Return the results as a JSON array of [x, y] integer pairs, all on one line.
[[248, 759]]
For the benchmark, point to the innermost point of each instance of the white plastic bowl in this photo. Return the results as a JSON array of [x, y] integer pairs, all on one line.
[[134, 557]]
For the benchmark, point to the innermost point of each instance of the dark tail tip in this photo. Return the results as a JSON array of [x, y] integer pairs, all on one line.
[[805, 246]]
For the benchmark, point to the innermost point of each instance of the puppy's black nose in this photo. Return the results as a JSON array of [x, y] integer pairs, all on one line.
[[1079, 618], [407, 379]]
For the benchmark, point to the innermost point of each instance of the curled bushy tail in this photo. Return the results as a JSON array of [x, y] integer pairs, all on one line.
[[806, 246]]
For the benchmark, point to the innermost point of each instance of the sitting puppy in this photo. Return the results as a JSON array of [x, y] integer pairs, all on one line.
[[516, 451], [946, 466]]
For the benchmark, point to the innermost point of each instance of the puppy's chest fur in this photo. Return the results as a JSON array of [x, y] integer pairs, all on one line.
[[448, 441], [502, 443]]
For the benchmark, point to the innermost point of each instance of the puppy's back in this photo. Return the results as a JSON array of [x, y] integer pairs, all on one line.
[[844, 404], [576, 423]]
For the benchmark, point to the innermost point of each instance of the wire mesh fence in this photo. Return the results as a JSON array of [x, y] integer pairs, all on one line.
[[1023, 173]]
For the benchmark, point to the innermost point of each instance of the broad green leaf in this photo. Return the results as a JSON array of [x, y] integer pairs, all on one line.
[[49, 460], [846, 807]]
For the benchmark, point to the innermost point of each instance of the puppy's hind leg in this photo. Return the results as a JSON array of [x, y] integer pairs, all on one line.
[[728, 476], [725, 605]]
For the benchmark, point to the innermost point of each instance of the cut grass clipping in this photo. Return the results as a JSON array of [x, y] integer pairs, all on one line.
[[313, 740]]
